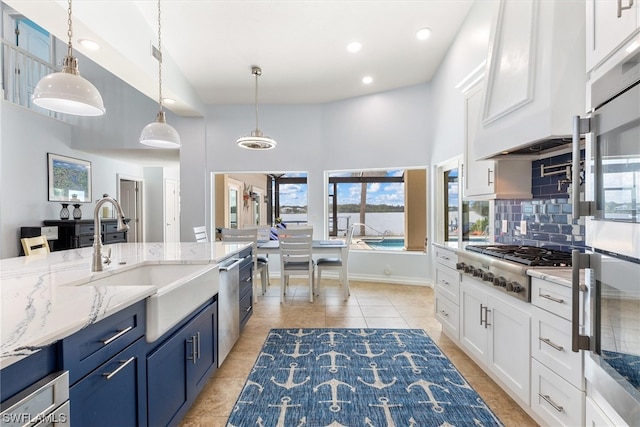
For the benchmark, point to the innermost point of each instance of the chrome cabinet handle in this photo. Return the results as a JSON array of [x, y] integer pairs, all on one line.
[[549, 297], [579, 209], [445, 282], [551, 402], [486, 315], [444, 313], [248, 309], [198, 347], [489, 172], [548, 342], [116, 336], [621, 7], [194, 350], [123, 364], [482, 307]]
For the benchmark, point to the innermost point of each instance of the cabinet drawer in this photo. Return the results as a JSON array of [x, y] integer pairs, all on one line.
[[555, 400], [551, 344], [119, 237], [86, 349], [109, 227], [447, 313], [552, 297], [448, 283], [86, 229], [446, 257], [85, 241], [246, 308]]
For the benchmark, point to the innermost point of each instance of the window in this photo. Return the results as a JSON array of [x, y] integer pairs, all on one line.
[[376, 201]]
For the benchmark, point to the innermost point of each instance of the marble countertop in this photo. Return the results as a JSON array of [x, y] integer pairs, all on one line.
[[38, 308]]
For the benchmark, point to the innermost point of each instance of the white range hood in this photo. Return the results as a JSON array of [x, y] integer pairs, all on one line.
[[536, 78]]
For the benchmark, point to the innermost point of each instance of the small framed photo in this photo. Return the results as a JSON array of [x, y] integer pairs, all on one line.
[[69, 179]]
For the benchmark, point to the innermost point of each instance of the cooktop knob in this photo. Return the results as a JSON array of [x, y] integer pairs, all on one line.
[[500, 281], [488, 277], [514, 287], [460, 266], [478, 272], [469, 269]]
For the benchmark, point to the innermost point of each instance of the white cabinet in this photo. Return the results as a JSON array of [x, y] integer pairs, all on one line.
[[535, 80], [557, 383], [608, 27], [490, 179], [596, 416], [447, 289], [496, 329]]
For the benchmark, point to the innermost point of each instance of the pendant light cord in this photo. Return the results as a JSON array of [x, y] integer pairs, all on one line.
[[69, 30], [256, 99], [160, 58]]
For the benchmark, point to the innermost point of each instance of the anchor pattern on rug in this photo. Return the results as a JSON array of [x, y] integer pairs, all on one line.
[[356, 377]]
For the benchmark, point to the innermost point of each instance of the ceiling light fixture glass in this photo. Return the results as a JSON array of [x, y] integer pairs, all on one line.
[[89, 44], [423, 33], [367, 80], [66, 91], [354, 47], [159, 133], [256, 140]]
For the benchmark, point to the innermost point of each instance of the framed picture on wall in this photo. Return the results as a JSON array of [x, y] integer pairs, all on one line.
[[69, 179]]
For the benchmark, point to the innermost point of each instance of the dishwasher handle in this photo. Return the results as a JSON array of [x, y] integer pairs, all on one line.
[[231, 265]]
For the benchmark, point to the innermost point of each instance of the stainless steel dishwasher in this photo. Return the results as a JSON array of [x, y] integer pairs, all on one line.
[[228, 307]]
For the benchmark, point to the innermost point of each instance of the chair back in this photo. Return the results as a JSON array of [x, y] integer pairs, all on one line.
[[348, 240], [35, 245], [295, 246], [201, 233], [243, 235]]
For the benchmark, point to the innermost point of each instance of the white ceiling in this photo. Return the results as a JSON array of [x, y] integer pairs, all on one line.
[[209, 46]]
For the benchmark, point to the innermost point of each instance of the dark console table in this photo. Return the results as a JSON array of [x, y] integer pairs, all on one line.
[[79, 233]]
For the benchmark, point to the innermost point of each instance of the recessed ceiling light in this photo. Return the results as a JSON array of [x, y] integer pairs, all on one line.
[[89, 44], [354, 47], [168, 100], [367, 80], [423, 33]]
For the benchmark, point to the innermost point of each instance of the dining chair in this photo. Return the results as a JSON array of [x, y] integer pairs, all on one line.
[[337, 263], [35, 245], [296, 257], [200, 233], [260, 264]]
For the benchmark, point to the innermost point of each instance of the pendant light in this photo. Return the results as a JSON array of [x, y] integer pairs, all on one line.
[[67, 92], [256, 140], [159, 133]]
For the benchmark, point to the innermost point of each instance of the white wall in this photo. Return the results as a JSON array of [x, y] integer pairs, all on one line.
[[25, 139]]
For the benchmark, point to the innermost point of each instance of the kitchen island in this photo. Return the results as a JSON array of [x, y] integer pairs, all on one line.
[[39, 304]]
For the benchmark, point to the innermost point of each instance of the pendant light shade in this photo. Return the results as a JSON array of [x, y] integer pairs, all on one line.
[[67, 92], [256, 140], [159, 133]]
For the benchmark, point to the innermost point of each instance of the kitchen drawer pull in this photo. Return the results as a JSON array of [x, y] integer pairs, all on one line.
[[621, 7], [445, 282], [549, 297], [446, 258], [199, 354], [550, 402], [248, 309], [489, 172], [116, 336], [444, 313], [123, 363], [548, 342]]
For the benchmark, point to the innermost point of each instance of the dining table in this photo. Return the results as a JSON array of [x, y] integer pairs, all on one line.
[[323, 248]]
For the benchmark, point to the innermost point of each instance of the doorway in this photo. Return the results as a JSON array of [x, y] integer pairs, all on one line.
[[130, 198]]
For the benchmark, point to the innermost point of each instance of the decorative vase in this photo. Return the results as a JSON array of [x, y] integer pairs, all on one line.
[[64, 212], [77, 213]]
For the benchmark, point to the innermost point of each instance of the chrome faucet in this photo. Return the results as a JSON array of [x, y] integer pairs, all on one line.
[[97, 241]]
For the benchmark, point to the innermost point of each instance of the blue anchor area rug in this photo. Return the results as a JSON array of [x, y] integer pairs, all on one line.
[[356, 377]]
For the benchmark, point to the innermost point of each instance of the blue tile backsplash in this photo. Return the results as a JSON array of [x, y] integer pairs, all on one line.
[[547, 217]]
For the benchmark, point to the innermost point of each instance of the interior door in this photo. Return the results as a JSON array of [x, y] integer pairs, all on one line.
[[171, 211], [130, 202]]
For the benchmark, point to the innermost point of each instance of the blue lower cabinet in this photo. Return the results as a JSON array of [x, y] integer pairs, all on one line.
[[114, 394], [178, 369]]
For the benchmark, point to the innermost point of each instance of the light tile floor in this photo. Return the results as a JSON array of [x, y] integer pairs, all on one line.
[[371, 305]]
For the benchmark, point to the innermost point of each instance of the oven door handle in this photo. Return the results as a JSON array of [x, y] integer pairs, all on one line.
[[580, 126], [578, 261]]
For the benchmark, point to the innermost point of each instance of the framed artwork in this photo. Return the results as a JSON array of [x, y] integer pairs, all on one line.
[[69, 179]]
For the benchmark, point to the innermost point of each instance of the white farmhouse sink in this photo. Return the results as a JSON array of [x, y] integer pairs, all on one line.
[[181, 288]]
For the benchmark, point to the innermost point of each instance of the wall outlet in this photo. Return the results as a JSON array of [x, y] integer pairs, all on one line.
[[523, 227], [505, 225]]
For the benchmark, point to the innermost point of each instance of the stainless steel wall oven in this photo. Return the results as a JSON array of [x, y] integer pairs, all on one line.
[[609, 327]]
